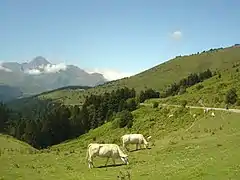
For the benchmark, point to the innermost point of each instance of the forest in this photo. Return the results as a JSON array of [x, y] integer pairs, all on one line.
[[43, 123]]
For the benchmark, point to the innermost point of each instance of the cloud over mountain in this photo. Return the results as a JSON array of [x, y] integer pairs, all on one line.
[[49, 68], [4, 68], [111, 74], [40, 75]]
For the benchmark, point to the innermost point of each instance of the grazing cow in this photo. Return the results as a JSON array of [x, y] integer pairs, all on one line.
[[137, 139], [105, 150], [171, 115], [194, 115]]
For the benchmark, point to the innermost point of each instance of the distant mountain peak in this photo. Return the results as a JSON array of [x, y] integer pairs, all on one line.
[[38, 61]]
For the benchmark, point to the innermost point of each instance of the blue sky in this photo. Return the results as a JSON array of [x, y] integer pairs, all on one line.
[[127, 35]]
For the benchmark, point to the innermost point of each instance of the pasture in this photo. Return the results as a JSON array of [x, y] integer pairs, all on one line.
[[182, 147]]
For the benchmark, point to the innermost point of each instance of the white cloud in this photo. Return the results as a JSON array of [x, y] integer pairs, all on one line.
[[34, 71], [177, 35], [4, 69], [49, 68], [54, 68], [110, 74]]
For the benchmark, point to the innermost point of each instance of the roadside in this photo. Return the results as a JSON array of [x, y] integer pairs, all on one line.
[[198, 107]]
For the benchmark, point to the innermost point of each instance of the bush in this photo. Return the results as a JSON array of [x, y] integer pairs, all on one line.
[[124, 118], [115, 123], [183, 103], [238, 102], [231, 96], [182, 90], [131, 104], [155, 104], [199, 86]]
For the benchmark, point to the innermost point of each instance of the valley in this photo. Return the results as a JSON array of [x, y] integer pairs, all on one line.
[[54, 128]]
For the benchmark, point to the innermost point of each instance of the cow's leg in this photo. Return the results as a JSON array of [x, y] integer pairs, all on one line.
[[126, 147], [145, 146], [113, 161], [136, 146], [107, 161], [90, 163]]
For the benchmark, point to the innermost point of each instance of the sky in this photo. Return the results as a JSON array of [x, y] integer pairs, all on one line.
[[116, 38]]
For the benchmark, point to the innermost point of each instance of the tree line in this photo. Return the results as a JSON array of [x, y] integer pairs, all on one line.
[[180, 87], [43, 123]]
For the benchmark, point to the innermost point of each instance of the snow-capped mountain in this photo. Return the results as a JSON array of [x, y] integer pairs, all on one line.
[[40, 75]]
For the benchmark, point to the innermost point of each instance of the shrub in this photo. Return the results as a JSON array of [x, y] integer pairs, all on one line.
[[199, 86], [231, 96], [238, 102], [182, 90], [155, 104], [115, 123], [183, 103], [131, 104], [124, 118]]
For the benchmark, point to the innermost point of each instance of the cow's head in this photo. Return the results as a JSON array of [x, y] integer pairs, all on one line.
[[125, 159], [147, 145], [148, 139]]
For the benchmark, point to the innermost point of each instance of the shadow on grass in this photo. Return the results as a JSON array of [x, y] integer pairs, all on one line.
[[111, 165], [134, 150]]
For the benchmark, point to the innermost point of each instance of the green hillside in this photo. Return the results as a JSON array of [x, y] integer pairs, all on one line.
[[9, 143], [211, 92], [8, 93], [159, 77], [182, 148]]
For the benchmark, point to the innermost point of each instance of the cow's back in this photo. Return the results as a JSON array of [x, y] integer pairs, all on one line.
[[94, 148], [108, 150], [134, 138]]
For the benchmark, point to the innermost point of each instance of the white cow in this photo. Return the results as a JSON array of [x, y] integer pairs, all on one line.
[[105, 150], [213, 114], [137, 139], [206, 110]]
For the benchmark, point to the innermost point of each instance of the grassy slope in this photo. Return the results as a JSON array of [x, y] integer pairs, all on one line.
[[162, 75], [209, 150], [8, 142], [212, 94], [70, 97]]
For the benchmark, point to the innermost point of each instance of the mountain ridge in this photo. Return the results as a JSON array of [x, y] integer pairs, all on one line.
[[162, 76], [40, 75]]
